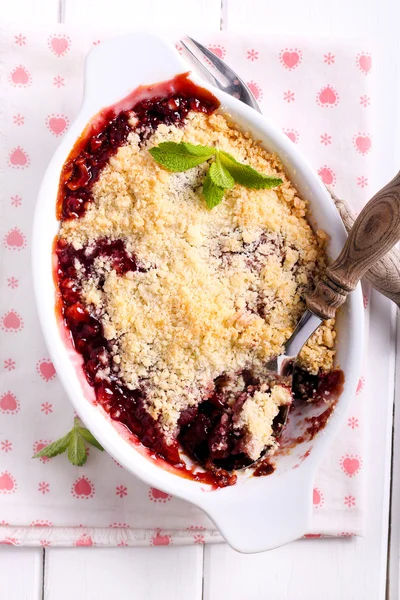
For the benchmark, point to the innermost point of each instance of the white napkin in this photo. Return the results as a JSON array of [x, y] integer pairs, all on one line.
[[318, 92]]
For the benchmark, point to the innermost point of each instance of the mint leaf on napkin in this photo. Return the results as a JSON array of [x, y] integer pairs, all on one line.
[[74, 442], [222, 175]]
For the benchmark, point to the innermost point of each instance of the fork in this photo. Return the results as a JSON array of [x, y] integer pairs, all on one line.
[[222, 76]]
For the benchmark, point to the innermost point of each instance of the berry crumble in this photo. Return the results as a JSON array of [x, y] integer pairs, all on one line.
[[176, 308]]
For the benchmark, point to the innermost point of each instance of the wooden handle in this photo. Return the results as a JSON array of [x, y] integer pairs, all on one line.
[[384, 276], [375, 231]]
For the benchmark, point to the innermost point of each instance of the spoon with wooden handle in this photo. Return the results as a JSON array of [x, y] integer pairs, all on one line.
[[375, 231], [384, 275]]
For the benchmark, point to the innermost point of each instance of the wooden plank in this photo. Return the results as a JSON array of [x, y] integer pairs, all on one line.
[[21, 572], [32, 12], [125, 573], [393, 586], [151, 15], [333, 568]]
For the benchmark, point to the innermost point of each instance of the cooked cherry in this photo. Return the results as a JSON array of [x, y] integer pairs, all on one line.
[[76, 312]]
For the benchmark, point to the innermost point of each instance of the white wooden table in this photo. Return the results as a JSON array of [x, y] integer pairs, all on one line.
[[356, 569]]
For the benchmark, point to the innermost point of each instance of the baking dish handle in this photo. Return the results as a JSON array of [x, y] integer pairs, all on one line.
[[114, 68], [258, 517]]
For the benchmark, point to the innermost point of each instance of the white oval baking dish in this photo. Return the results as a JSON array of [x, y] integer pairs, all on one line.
[[256, 514]]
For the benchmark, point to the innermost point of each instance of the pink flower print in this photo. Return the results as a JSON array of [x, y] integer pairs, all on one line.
[[156, 495], [199, 539], [16, 200], [2, 523], [362, 181], [289, 96], [365, 100], [329, 58], [121, 491], [96, 42], [12, 283], [46, 408], [119, 525], [6, 446], [352, 422], [349, 501], [252, 55], [45, 543], [58, 81], [326, 139], [20, 40], [44, 487], [179, 48], [122, 544], [9, 364], [18, 120]]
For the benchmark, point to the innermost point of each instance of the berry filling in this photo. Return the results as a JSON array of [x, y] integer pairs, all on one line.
[[213, 432]]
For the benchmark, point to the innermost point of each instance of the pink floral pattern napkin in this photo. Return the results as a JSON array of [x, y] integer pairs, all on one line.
[[318, 93]]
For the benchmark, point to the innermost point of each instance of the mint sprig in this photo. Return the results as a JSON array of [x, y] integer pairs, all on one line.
[[74, 443], [222, 175]]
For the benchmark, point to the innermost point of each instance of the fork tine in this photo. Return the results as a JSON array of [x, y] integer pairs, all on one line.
[[200, 65], [213, 58], [225, 78]]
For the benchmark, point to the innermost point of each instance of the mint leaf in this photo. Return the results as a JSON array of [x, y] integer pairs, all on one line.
[[220, 175], [89, 437], [180, 157], [246, 175], [77, 454], [57, 447], [74, 442], [196, 150], [212, 193]]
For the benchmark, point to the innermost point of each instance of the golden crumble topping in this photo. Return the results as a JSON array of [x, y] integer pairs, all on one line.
[[219, 290]]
